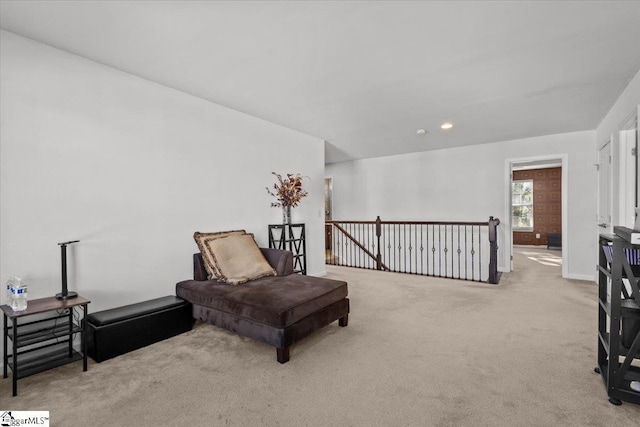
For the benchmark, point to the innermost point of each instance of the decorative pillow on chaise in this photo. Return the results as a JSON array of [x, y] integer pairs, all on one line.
[[209, 265], [238, 258]]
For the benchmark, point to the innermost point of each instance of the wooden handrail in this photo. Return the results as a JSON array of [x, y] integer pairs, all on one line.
[[412, 222]]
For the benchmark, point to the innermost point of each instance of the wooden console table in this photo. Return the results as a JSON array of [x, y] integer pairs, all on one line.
[[47, 340]]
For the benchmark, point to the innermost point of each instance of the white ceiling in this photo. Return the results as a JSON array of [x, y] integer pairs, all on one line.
[[364, 76]]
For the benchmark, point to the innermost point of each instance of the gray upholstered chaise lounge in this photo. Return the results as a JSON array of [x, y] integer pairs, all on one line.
[[276, 310]]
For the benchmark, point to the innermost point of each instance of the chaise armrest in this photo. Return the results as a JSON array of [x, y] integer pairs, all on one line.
[[281, 261]]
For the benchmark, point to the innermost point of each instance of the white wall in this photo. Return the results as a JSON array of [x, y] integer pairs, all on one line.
[[468, 184], [131, 168]]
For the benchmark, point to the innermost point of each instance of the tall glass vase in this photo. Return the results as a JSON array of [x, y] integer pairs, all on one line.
[[286, 214]]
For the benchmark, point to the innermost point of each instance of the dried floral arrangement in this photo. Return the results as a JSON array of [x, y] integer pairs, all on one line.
[[288, 190]]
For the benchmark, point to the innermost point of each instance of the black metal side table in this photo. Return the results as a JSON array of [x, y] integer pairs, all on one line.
[[290, 237], [47, 342]]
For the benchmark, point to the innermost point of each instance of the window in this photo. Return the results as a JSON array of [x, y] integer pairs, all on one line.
[[522, 205]]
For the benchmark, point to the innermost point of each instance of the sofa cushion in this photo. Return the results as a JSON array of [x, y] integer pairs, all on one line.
[[277, 301], [237, 258], [280, 260], [208, 261]]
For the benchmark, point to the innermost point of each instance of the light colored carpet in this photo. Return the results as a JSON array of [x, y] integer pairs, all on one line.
[[418, 351]]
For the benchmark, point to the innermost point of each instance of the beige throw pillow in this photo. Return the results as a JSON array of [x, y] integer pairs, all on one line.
[[238, 258], [209, 265]]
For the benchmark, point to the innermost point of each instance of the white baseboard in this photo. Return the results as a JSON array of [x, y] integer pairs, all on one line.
[[586, 277], [320, 274]]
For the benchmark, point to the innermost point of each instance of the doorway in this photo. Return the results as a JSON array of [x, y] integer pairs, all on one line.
[[328, 199], [617, 172], [558, 240], [604, 189], [328, 215]]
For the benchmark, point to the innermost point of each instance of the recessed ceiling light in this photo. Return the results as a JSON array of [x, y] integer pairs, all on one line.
[[421, 131], [446, 125]]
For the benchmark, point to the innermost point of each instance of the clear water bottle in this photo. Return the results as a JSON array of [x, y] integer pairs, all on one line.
[[14, 299], [12, 285], [21, 296], [12, 290], [16, 294]]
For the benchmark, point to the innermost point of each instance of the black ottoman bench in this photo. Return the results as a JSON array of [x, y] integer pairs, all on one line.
[[113, 332]]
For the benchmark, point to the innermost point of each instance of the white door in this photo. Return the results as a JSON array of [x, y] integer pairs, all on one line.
[[604, 189]]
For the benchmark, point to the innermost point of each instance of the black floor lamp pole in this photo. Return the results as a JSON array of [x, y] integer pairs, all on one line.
[[65, 294]]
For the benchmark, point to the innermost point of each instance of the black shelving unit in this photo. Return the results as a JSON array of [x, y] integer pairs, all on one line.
[[46, 342], [618, 317], [290, 237]]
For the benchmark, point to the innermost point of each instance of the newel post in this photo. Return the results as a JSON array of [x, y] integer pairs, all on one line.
[[378, 234], [494, 276]]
